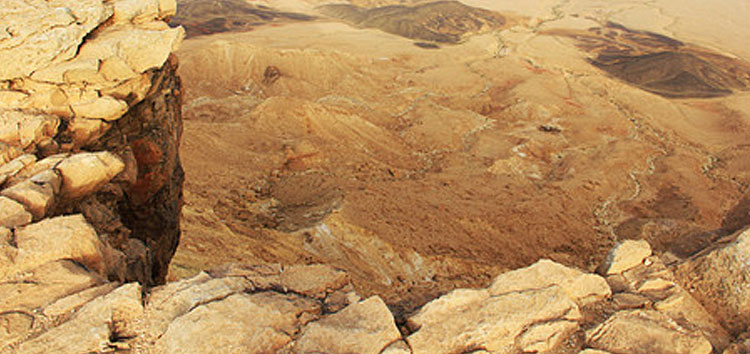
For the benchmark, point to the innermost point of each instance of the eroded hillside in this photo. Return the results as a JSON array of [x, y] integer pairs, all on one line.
[[419, 170]]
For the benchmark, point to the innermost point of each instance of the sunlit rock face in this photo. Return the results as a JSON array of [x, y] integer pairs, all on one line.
[[85, 86]]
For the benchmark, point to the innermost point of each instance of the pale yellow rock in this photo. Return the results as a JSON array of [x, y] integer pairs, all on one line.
[[141, 49], [11, 98], [14, 326], [399, 347], [35, 168], [654, 281], [91, 327], [445, 306], [44, 32], [80, 95], [135, 11], [105, 107], [296, 310], [13, 214], [72, 302], [625, 256], [7, 252], [593, 351], [7, 154], [493, 323], [84, 173], [137, 87], [11, 168], [546, 336], [364, 327], [115, 69], [720, 280], [236, 324], [62, 237], [167, 8], [37, 194], [53, 101], [656, 284], [56, 73], [582, 288], [313, 280], [24, 129], [645, 331], [173, 300], [685, 309], [85, 77], [85, 131], [46, 284]]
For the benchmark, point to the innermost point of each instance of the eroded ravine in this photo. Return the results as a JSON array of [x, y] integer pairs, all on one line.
[[518, 149]]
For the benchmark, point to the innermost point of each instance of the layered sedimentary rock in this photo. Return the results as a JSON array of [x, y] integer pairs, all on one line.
[[90, 124]]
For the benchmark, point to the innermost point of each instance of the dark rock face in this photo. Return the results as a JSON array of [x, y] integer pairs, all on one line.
[[441, 21], [660, 64], [201, 17], [148, 136]]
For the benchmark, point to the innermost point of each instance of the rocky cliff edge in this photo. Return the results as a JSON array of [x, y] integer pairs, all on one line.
[[89, 207]]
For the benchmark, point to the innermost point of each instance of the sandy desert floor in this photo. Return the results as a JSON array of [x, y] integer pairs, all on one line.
[[421, 168]]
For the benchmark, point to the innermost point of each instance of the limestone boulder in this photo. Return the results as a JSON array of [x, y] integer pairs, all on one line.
[[8, 153], [94, 327], [44, 32], [14, 166], [653, 284], [43, 285], [115, 69], [22, 129], [37, 194], [139, 11], [67, 304], [720, 280], [13, 214], [626, 255], [167, 303], [140, 48], [524, 320], [364, 327], [645, 331], [58, 73], [35, 168], [583, 288], [313, 280], [84, 173], [63, 237], [106, 108], [235, 324]]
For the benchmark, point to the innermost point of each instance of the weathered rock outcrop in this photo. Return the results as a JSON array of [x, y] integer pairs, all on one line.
[[67, 307], [720, 279], [90, 196], [90, 125]]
